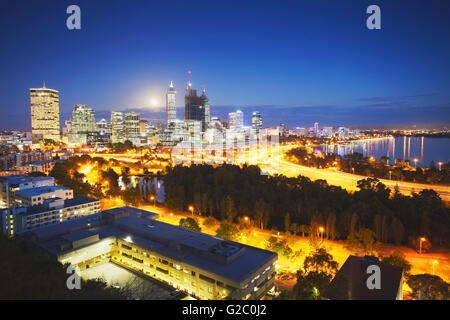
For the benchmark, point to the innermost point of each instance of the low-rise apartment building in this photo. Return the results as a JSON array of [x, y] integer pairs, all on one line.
[[34, 196], [17, 220], [204, 266], [11, 184]]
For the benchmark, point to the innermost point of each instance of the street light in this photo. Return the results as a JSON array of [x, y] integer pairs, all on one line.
[[434, 266], [153, 198], [420, 244], [440, 164], [390, 175], [353, 169], [321, 229], [246, 219], [191, 209], [415, 162]]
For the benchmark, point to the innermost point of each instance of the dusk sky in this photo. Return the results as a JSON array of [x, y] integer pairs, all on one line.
[[295, 61]]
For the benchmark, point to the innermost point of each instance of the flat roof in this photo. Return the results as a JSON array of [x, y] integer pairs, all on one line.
[[174, 242], [14, 179], [40, 208], [31, 192]]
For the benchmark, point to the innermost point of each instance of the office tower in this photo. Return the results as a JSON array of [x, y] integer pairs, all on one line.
[[103, 126], [117, 134], [236, 120], [316, 128], [256, 121], [83, 123], [171, 110], [131, 126], [45, 112], [196, 107]]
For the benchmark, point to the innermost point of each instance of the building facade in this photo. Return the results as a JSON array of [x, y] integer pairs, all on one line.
[[83, 123], [45, 113], [171, 109], [256, 121], [17, 220], [34, 196], [117, 126], [131, 125], [197, 107], [201, 265], [236, 120]]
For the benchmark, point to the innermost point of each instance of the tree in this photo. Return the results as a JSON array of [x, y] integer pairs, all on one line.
[[287, 222], [428, 287], [190, 223], [398, 258], [228, 231], [319, 268], [279, 246], [209, 222], [364, 240]]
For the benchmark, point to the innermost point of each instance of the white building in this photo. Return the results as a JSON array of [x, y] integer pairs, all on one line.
[[236, 120], [171, 109], [34, 196]]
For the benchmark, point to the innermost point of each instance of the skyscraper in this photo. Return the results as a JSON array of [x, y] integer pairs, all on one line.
[[116, 127], [83, 123], [236, 120], [45, 112], [196, 107], [131, 127], [256, 121], [171, 111]]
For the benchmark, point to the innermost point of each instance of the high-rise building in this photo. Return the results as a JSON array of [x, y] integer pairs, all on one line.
[[83, 123], [256, 121], [236, 120], [171, 110], [196, 107], [45, 112], [117, 134], [131, 127]]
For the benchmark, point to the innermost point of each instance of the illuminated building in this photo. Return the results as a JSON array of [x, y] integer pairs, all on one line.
[[201, 265], [17, 220], [117, 129], [236, 120], [45, 113], [83, 123], [171, 110], [256, 121], [11, 184], [131, 125], [197, 107], [34, 196]]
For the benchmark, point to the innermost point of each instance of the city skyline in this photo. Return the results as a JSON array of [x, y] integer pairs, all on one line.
[[296, 70]]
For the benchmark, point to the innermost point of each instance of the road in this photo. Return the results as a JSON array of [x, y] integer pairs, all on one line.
[[349, 181]]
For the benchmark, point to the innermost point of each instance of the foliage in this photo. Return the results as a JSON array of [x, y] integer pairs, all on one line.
[[228, 231], [398, 258], [279, 246], [26, 275], [189, 223], [364, 240], [428, 287], [319, 268], [267, 199]]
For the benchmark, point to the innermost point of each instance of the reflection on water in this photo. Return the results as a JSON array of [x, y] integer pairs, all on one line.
[[422, 149]]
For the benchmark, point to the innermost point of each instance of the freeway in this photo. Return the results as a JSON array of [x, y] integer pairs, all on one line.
[[349, 181]]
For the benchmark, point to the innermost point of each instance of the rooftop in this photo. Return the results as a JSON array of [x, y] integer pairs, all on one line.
[[31, 192], [40, 208], [350, 282], [13, 179], [234, 261]]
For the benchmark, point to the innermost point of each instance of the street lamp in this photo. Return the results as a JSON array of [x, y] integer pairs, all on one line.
[[434, 266], [440, 164], [246, 219], [390, 175], [321, 229], [420, 244], [153, 198], [191, 209], [415, 162], [353, 169]]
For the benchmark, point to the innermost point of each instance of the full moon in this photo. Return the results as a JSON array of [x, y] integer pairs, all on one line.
[[154, 102]]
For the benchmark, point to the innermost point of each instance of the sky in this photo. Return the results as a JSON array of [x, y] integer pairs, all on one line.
[[297, 62]]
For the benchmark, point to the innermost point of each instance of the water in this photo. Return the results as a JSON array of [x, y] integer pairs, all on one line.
[[405, 148]]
